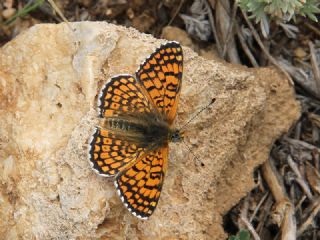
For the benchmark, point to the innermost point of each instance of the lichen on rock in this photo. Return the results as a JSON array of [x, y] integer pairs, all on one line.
[[49, 80]]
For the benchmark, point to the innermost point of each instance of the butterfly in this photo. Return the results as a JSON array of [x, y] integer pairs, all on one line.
[[136, 124]]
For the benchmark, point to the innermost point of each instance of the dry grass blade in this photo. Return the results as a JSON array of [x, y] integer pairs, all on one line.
[[258, 206], [260, 43], [313, 177], [312, 28], [299, 76], [245, 47], [315, 66], [315, 119], [176, 12], [309, 221], [250, 228], [59, 12], [300, 144], [214, 30], [230, 34], [224, 25], [300, 180]]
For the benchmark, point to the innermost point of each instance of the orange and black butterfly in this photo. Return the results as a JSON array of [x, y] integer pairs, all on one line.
[[137, 114]]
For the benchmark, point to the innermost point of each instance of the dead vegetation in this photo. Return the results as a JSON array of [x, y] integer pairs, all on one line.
[[286, 201]]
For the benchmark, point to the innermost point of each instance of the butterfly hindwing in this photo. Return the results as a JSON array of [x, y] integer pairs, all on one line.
[[109, 155], [161, 76], [122, 94], [140, 185]]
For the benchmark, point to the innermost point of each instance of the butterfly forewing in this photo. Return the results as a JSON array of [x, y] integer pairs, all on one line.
[[122, 94], [161, 75]]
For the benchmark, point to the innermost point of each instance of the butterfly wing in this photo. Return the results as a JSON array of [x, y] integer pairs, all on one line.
[[161, 76], [109, 155], [122, 94], [139, 186], [139, 172]]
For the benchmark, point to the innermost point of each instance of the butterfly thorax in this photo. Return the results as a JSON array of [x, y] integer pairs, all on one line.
[[147, 130]]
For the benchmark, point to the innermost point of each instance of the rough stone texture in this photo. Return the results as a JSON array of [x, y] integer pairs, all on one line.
[[49, 80]]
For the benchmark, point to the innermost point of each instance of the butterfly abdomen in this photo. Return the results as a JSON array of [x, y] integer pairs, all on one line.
[[118, 124]]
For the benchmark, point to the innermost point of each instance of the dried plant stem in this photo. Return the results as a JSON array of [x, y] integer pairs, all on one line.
[[230, 30], [310, 218], [250, 228], [287, 221], [300, 180], [300, 144], [289, 227], [245, 47], [271, 177], [258, 206], [315, 66], [224, 24], [176, 12], [270, 58], [214, 30], [312, 28]]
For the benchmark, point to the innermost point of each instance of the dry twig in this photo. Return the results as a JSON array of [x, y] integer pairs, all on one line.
[[250, 228], [214, 30], [270, 58], [224, 24], [312, 28], [315, 66], [300, 180], [245, 47], [283, 205], [176, 12], [310, 218], [230, 33], [300, 144], [258, 206]]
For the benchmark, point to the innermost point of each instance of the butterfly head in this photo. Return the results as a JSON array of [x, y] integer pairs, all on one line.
[[176, 135]]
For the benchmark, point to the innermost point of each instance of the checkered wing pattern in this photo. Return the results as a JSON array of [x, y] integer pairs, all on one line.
[[109, 155], [161, 76], [140, 185], [122, 94], [138, 165]]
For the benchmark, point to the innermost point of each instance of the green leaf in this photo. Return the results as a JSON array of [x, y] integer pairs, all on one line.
[[25, 10], [283, 9], [244, 235], [233, 238]]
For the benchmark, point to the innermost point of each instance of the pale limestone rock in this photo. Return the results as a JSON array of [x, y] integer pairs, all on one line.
[[49, 79]]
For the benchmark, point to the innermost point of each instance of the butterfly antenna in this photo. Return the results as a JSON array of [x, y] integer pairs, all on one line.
[[189, 149], [197, 114]]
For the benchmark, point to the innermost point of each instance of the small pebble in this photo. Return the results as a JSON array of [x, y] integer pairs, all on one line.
[[8, 13], [300, 53]]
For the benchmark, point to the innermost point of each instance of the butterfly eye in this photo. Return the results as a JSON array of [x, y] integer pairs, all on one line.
[[176, 136]]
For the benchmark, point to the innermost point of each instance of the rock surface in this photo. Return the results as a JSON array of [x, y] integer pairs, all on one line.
[[49, 80]]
